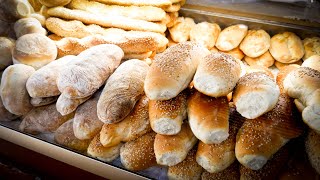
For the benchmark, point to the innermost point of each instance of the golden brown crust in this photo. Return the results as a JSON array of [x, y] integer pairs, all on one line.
[[231, 37], [256, 43], [311, 46], [265, 60], [281, 66], [157, 3], [283, 74], [236, 52], [205, 33], [54, 3]]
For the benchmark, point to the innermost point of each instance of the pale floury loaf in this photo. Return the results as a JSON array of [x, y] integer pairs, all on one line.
[[231, 37]]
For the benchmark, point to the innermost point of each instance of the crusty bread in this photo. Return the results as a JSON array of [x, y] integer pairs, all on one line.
[[188, 169], [84, 76], [208, 118], [44, 119], [35, 50], [65, 137], [13, 92], [300, 106], [166, 116], [255, 94], [259, 139], [43, 83], [172, 71], [257, 68], [180, 31], [27, 26], [54, 3], [35, 4], [231, 173], [140, 56], [132, 127], [5, 115], [6, 46], [281, 65], [312, 62], [286, 47], [215, 50], [312, 144], [108, 154], [283, 74], [171, 150], [264, 60], [174, 7], [231, 37], [256, 43], [36, 102], [173, 17], [205, 33], [217, 74], [66, 105], [236, 53], [122, 90], [156, 3], [86, 123], [311, 46], [139, 154]]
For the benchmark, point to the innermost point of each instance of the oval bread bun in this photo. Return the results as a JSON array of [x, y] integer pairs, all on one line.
[[256, 43], [231, 37], [265, 60]]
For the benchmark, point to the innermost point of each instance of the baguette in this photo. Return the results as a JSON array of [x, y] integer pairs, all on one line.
[[122, 90], [140, 56], [66, 105], [36, 102]]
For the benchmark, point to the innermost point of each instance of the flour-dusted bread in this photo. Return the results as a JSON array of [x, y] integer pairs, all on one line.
[[36, 102], [28, 26], [5, 115], [84, 76], [6, 46], [66, 105], [312, 62], [217, 74], [172, 71], [231, 37], [205, 33], [122, 90], [13, 92], [256, 43]]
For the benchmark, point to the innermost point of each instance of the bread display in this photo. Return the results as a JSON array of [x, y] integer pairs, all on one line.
[[231, 37], [231, 173], [28, 26], [205, 33], [166, 117], [35, 50], [311, 46], [180, 31], [172, 71], [122, 90], [13, 92], [132, 127], [236, 52], [264, 60], [66, 105], [256, 43], [313, 149], [36, 102], [280, 65], [286, 47], [6, 46], [312, 62]]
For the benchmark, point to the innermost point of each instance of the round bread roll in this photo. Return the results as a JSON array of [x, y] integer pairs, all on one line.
[[265, 60], [6, 46], [205, 33], [217, 75], [286, 47], [231, 37], [281, 65], [313, 149], [35, 50], [236, 53], [312, 62], [28, 26], [311, 46], [256, 43], [54, 3]]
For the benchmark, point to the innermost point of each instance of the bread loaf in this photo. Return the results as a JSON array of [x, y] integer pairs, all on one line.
[[43, 83], [231, 173], [171, 150], [166, 116], [54, 3], [231, 37], [208, 118], [122, 90], [132, 127], [66, 105], [217, 75], [311, 46], [312, 62], [255, 94], [35, 50], [313, 148], [13, 92], [65, 137], [205, 33], [6, 46], [256, 43], [27, 26], [86, 123], [172, 71], [280, 65], [84, 76], [36, 102], [180, 31], [44, 119], [139, 154], [264, 60], [236, 53], [5, 115], [108, 154]]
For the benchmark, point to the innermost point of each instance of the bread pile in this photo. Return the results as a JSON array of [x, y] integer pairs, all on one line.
[[130, 78]]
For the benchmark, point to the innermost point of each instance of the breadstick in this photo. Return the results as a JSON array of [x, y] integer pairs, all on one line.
[[157, 3]]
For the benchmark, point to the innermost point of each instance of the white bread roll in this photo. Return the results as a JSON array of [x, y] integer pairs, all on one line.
[[36, 102], [208, 118], [180, 32], [172, 71], [13, 89], [311, 46], [43, 83], [231, 173], [205, 33], [236, 52], [28, 26], [84, 76], [312, 62], [256, 43], [286, 47], [35, 50], [132, 127], [54, 3], [231, 37], [122, 90], [6, 46], [312, 144], [217, 75], [256, 93], [171, 150], [265, 60], [166, 116], [66, 105]]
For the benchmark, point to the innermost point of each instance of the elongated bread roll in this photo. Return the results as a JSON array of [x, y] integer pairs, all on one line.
[[231, 37], [132, 127], [171, 150], [44, 119], [172, 71], [66, 105], [312, 62], [208, 118], [6, 46], [107, 21], [139, 154], [36, 102], [256, 93], [166, 117], [313, 148], [122, 90], [231, 173], [5, 115], [84, 76], [43, 83], [27, 26], [205, 33], [217, 74], [65, 137], [256, 43], [259, 139], [188, 169], [54, 3], [86, 123], [157, 3], [108, 154], [13, 92]]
